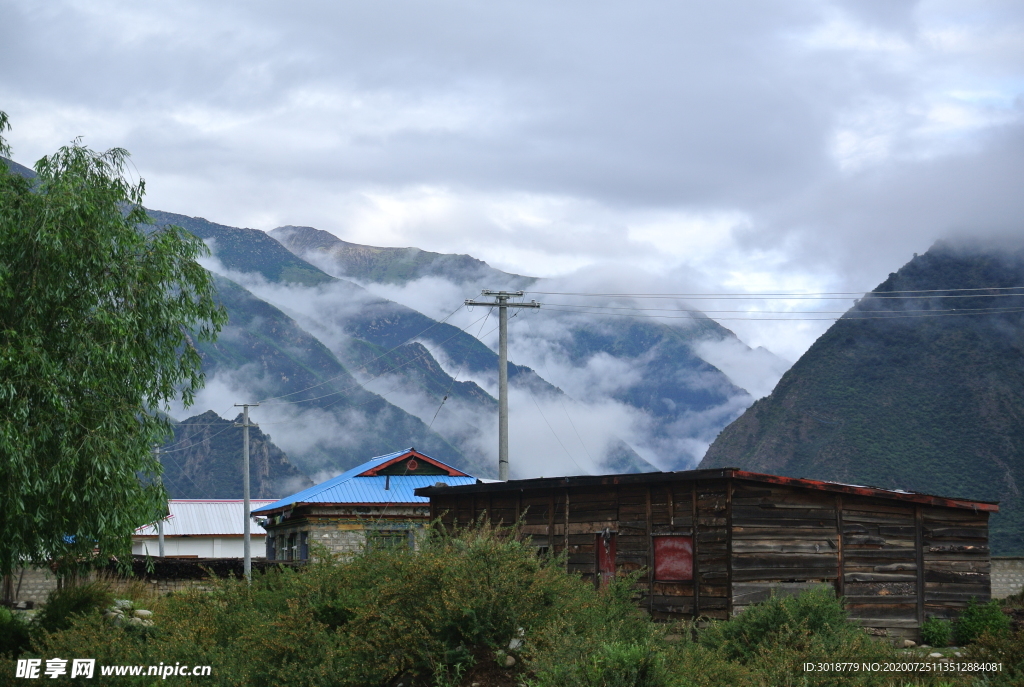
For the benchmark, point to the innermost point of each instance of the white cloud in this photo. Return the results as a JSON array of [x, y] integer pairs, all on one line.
[[693, 146]]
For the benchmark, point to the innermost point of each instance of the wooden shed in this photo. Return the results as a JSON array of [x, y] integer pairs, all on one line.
[[712, 542]]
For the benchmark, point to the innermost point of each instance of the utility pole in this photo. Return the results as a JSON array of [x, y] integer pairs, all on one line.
[[501, 301], [160, 522], [247, 558]]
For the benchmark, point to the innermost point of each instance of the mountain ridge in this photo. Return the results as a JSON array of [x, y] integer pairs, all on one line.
[[927, 402]]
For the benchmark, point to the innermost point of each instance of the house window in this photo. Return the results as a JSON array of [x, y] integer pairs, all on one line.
[[389, 539], [291, 547], [270, 548], [673, 558], [304, 546]]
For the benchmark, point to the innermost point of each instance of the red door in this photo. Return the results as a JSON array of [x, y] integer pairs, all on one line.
[[604, 544]]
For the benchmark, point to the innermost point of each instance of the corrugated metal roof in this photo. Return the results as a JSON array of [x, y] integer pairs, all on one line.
[[351, 487], [206, 517]]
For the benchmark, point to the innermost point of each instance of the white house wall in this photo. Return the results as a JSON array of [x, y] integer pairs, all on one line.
[[203, 547]]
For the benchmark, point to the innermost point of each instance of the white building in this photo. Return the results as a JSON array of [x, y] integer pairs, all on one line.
[[203, 528]]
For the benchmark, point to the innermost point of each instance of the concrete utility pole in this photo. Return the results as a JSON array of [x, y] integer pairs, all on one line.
[[501, 300], [247, 564], [160, 522]]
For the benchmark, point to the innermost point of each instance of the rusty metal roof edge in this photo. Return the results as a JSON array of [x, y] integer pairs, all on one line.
[[880, 492], [715, 473]]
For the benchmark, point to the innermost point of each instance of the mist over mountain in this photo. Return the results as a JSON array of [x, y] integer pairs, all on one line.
[[667, 385], [381, 347], [924, 393]]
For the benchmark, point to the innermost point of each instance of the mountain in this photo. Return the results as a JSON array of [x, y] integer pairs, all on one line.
[[908, 393], [379, 342], [204, 460], [661, 374], [265, 353], [247, 250], [18, 169], [652, 395], [390, 265]]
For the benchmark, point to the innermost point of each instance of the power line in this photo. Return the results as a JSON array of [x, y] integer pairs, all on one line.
[[450, 386], [792, 319], [186, 448], [184, 474], [544, 417], [777, 312], [573, 424], [838, 295]]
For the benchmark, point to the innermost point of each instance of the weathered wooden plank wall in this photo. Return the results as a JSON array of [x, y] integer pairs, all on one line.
[[896, 562], [956, 557], [880, 564], [672, 510], [784, 540]]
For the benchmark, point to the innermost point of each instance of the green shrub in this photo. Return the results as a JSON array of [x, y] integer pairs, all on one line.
[[936, 632], [790, 621], [598, 638], [977, 619], [65, 603], [14, 637], [611, 664], [1006, 649]]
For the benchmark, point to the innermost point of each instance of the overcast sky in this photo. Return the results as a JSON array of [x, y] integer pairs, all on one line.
[[716, 146]]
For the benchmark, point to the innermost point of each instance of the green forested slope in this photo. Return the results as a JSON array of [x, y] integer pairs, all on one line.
[[932, 403]]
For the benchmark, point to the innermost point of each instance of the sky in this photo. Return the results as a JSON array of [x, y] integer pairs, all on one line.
[[728, 147]]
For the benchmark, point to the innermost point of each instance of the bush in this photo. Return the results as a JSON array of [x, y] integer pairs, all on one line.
[[612, 664], [14, 637], [365, 621], [791, 621], [1005, 649], [446, 615], [65, 603], [977, 619], [936, 632]]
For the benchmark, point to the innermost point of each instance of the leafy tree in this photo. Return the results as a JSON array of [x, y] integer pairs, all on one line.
[[98, 320]]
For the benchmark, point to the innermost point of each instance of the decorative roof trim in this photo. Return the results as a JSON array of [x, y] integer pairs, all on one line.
[[375, 470]]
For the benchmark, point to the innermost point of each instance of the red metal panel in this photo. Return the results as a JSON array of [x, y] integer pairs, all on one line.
[[673, 559], [604, 544]]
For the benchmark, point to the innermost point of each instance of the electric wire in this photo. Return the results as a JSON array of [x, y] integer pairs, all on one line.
[[186, 448], [184, 474], [793, 295], [573, 424], [193, 424], [792, 319], [450, 386], [553, 432], [776, 312]]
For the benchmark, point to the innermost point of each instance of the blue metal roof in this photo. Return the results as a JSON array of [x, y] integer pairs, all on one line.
[[349, 487]]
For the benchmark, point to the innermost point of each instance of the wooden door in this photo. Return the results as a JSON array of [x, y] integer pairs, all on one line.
[[604, 545]]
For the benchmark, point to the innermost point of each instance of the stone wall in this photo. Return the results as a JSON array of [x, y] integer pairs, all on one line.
[[1007, 575], [32, 584], [167, 575]]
